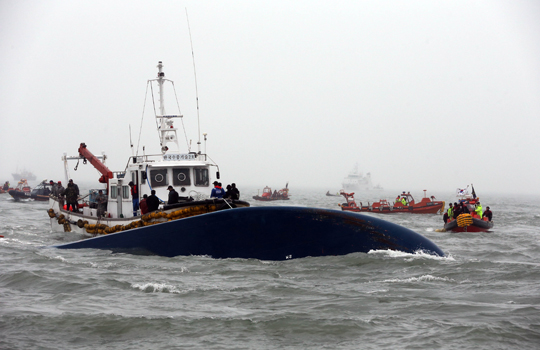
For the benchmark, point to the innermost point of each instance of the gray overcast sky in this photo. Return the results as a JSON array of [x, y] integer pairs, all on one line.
[[422, 94]]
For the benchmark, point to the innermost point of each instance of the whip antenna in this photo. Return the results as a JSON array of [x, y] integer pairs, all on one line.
[[196, 89]]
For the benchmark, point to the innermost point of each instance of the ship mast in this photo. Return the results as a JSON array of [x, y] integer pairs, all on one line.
[[166, 128]]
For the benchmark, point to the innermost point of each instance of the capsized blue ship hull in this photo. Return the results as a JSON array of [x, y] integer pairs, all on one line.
[[266, 233]]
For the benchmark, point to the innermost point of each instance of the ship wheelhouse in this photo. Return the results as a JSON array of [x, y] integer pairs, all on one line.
[[188, 174]]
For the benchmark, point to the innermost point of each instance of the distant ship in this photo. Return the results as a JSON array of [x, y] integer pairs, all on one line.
[[357, 181], [27, 175]]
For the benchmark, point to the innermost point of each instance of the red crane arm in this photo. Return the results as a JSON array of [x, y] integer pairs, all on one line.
[[102, 168]]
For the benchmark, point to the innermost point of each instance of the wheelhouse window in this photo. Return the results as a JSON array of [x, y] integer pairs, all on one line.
[[201, 177], [181, 177], [125, 192], [114, 192], [158, 177]]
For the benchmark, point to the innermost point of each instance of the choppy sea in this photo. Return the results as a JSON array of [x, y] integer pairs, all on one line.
[[485, 294]]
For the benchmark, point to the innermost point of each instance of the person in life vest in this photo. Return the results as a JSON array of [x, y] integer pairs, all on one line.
[[217, 191], [478, 209], [450, 211], [398, 200], [403, 201], [134, 197], [456, 210]]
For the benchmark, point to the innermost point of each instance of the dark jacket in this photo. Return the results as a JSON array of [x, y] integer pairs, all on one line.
[[153, 202], [173, 197], [234, 193], [71, 193]]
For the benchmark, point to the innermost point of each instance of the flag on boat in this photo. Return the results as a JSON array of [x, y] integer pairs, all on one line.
[[462, 191], [473, 193]]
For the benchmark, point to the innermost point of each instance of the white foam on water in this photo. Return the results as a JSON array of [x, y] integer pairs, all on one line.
[[157, 288], [424, 278], [419, 254]]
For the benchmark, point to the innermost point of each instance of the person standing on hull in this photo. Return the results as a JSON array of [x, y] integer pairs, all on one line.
[[135, 197], [217, 191], [173, 195], [152, 201]]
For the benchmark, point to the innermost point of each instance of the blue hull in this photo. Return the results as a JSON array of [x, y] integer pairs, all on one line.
[[266, 233]]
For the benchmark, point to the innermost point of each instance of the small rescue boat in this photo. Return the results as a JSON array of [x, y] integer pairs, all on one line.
[[41, 192], [331, 194], [268, 195], [22, 191], [404, 203], [470, 217], [6, 187], [467, 222]]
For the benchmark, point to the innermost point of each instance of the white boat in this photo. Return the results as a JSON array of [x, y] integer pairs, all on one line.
[[356, 181], [189, 173]]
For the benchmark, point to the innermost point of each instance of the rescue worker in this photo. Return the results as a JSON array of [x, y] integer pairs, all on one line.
[[235, 193], [488, 213], [54, 188], [144, 204], [152, 201], [217, 191], [72, 195], [457, 210], [450, 211], [228, 192], [173, 195], [478, 209], [60, 193], [101, 201], [134, 197]]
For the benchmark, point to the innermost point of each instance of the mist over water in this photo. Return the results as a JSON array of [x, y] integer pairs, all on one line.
[[482, 295]]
